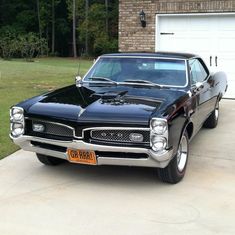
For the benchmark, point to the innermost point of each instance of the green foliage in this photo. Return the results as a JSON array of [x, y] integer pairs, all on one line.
[[103, 45], [20, 17], [100, 41], [8, 44], [26, 46], [30, 46]]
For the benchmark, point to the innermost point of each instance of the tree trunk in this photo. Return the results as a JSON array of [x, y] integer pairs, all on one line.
[[39, 25], [107, 20], [86, 40], [74, 30], [53, 28]]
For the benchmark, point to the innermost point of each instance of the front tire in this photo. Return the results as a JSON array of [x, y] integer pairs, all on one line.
[[175, 171], [212, 120], [50, 161]]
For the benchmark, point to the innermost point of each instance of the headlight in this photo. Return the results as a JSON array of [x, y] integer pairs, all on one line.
[[17, 129], [17, 122], [158, 126], [158, 143], [17, 114]]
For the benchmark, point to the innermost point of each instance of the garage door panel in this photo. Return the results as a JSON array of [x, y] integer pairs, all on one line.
[[199, 45], [226, 45], [225, 23], [197, 23]]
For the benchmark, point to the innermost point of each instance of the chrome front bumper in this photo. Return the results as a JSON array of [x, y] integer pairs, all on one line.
[[153, 160]]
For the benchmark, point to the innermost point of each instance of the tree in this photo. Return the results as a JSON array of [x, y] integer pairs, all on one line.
[[53, 27], [106, 19], [68, 26], [86, 20], [39, 24], [74, 30]]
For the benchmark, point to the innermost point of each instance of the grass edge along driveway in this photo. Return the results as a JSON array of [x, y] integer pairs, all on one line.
[[20, 80]]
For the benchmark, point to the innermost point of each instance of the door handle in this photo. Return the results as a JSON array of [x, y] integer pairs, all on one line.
[[210, 60], [216, 61]]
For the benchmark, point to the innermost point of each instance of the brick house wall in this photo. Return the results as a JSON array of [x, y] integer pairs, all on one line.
[[132, 37]]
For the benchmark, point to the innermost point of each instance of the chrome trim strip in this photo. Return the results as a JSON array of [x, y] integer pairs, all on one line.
[[141, 57], [116, 128], [154, 160]]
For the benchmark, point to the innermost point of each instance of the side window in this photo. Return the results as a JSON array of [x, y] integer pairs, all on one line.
[[197, 71]]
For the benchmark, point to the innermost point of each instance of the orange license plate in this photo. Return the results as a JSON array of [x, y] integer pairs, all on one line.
[[82, 156]]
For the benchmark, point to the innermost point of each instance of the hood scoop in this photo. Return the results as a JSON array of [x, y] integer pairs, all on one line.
[[109, 96]]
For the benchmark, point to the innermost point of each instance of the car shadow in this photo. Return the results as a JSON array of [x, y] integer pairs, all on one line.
[[104, 175]]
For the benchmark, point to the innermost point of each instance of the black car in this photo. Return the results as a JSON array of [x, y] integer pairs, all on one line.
[[131, 109]]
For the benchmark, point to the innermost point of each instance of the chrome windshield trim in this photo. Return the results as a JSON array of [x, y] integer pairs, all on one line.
[[142, 84], [141, 57]]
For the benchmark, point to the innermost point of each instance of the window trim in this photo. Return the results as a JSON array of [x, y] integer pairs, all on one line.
[[200, 60], [147, 57]]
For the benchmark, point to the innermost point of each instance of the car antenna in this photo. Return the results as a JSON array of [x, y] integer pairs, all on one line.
[[78, 77]]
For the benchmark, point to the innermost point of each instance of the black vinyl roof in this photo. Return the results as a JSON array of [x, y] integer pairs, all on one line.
[[160, 54]]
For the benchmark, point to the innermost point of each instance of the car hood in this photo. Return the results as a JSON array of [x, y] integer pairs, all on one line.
[[103, 104]]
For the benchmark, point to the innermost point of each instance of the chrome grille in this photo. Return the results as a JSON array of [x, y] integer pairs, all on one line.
[[118, 135], [54, 129]]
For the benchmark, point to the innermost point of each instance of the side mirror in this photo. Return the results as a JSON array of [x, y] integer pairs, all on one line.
[[78, 81], [197, 86]]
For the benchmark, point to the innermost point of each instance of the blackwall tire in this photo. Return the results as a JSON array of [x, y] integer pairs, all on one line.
[[49, 161], [176, 169], [212, 120]]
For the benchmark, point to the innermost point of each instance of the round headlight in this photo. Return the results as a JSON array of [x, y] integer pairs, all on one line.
[[158, 144], [17, 129], [17, 114], [158, 126]]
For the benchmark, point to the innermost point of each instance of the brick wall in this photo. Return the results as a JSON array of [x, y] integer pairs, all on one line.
[[132, 37]]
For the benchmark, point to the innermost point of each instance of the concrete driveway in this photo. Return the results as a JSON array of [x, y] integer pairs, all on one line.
[[75, 199]]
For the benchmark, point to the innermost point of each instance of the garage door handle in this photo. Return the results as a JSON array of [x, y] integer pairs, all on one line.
[[210, 60], [216, 61], [166, 33]]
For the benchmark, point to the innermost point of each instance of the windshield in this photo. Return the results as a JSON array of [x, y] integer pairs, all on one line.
[[161, 71]]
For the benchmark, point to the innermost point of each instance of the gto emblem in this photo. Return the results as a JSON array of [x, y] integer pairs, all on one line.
[[112, 134], [136, 137], [103, 134]]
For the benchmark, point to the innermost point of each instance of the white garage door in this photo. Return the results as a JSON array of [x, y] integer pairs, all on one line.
[[210, 36]]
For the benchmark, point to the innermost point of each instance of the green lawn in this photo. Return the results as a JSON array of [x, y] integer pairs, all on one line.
[[20, 80]]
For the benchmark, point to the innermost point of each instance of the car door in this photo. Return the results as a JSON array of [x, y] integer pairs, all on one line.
[[201, 89]]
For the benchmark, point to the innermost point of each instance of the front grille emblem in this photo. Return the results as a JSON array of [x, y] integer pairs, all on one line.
[[38, 127], [136, 137]]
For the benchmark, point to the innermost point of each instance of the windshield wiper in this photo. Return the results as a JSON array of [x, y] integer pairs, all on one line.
[[144, 82], [102, 79]]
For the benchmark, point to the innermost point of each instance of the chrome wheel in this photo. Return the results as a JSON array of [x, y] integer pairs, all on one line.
[[182, 154]]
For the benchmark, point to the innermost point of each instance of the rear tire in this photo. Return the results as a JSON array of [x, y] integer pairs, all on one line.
[[175, 171], [212, 120], [50, 161]]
